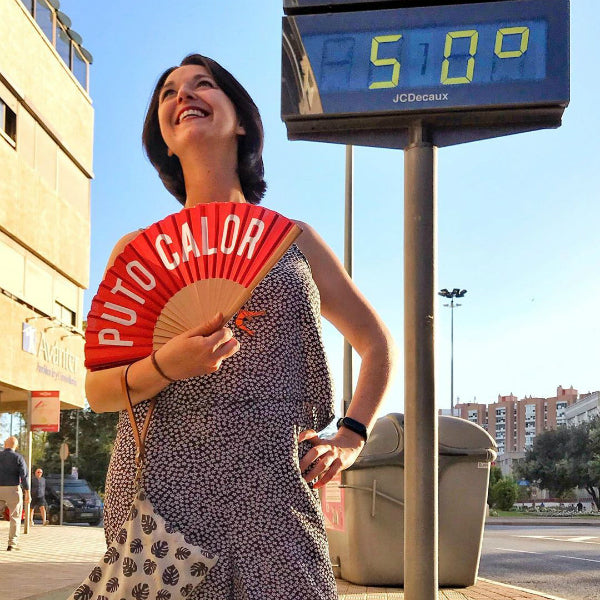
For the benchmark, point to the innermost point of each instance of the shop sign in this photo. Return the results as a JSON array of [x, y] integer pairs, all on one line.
[[45, 411], [51, 353]]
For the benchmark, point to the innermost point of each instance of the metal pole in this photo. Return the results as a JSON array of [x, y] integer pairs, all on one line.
[[348, 255], [77, 435], [452, 357], [62, 488], [421, 421]]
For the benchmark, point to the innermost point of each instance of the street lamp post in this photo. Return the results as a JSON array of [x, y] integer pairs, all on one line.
[[455, 293]]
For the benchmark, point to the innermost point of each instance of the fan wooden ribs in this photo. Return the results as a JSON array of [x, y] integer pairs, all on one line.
[[178, 274]]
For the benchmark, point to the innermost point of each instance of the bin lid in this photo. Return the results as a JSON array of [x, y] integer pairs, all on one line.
[[457, 434], [457, 437], [385, 445]]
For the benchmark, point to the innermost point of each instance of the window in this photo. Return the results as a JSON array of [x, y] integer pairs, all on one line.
[[67, 300], [65, 315], [8, 121], [29, 5], [80, 67], [44, 17], [66, 41], [63, 45]]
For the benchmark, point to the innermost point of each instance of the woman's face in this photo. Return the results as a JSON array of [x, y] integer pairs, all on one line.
[[192, 109]]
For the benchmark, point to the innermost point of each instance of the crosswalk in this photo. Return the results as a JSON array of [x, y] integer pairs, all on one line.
[[577, 539]]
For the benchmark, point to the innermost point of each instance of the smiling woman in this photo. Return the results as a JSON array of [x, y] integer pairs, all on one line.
[[232, 453], [212, 81]]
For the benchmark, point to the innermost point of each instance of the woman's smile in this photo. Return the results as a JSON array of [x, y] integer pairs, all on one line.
[[191, 113]]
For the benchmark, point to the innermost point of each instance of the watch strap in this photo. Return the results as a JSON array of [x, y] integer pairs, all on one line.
[[353, 425]]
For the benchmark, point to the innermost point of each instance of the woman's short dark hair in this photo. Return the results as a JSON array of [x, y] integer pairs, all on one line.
[[250, 146]]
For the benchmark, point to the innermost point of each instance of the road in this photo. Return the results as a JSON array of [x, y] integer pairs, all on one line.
[[563, 561]]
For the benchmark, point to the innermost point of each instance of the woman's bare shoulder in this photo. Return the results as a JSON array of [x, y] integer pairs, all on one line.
[[120, 246], [311, 244]]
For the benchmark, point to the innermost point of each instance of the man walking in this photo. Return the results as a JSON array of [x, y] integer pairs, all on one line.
[[13, 476], [38, 496]]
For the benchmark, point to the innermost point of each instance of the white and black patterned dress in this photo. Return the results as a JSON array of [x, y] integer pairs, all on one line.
[[223, 456]]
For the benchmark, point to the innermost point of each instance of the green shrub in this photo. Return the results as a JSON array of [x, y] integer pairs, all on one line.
[[504, 493]]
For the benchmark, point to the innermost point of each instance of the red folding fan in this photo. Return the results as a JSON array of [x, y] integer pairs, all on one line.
[[178, 274]]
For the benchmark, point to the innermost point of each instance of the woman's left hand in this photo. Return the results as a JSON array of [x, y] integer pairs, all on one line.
[[330, 456]]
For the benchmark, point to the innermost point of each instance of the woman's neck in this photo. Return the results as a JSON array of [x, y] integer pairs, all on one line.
[[211, 178]]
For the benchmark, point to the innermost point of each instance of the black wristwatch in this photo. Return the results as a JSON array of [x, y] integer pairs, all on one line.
[[353, 425]]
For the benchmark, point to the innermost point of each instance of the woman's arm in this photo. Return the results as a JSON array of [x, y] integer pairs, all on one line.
[[347, 309], [198, 351]]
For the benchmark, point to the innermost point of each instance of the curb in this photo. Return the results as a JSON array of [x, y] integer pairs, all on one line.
[[521, 589], [541, 521]]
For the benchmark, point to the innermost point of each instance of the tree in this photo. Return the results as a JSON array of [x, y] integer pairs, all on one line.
[[504, 493], [96, 435], [566, 458], [495, 476]]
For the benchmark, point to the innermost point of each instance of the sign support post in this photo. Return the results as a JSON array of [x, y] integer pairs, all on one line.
[[348, 254], [27, 505], [64, 454], [421, 420]]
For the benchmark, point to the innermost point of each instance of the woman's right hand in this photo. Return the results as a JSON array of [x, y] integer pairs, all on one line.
[[198, 351]]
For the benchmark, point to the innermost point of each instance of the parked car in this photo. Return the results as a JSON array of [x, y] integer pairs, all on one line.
[[81, 504]]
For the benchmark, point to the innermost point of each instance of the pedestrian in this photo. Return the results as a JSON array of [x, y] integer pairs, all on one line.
[[38, 496], [13, 477], [232, 453]]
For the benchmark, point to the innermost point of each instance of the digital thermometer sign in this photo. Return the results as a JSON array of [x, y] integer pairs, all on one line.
[[469, 70]]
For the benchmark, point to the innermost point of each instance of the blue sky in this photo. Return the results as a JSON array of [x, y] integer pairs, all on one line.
[[517, 216]]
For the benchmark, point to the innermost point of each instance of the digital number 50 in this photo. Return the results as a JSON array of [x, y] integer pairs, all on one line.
[[450, 37]]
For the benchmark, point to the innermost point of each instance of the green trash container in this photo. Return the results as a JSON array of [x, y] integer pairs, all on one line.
[[365, 514]]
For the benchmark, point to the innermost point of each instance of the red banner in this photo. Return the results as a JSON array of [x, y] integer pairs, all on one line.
[[45, 411]]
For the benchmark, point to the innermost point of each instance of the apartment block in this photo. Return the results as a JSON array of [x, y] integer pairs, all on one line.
[[586, 408], [514, 423]]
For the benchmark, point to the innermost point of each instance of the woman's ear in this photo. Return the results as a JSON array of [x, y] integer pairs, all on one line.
[[170, 152], [240, 129]]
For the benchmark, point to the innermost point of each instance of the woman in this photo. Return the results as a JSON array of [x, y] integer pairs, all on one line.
[[232, 451]]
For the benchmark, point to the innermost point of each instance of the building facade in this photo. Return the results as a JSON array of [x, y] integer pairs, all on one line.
[[514, 423], [586, 408], [46, 135]]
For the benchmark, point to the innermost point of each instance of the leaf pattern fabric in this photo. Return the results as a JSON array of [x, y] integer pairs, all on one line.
[[135, 572]]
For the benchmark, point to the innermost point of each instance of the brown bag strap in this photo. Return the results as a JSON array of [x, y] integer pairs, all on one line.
[[140, 438]]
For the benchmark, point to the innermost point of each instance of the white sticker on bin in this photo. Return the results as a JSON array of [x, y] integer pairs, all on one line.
[[483, 465]]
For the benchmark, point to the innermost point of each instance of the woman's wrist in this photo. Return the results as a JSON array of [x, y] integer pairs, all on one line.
[[158, 368], [350, 438]]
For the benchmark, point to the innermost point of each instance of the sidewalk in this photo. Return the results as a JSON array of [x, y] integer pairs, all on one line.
[[53, 560]]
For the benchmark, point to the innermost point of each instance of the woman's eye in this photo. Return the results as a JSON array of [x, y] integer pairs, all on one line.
[[206, 83], [167, 93]]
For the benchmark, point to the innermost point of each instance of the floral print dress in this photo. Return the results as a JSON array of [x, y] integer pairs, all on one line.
[[223, 454]]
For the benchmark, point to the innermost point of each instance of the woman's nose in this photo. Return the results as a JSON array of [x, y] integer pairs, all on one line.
[[184, 93]]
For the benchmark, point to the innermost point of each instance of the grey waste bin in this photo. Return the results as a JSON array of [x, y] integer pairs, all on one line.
[[367, 541]]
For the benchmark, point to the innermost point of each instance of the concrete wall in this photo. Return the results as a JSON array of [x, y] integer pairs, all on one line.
[[37, 203]]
